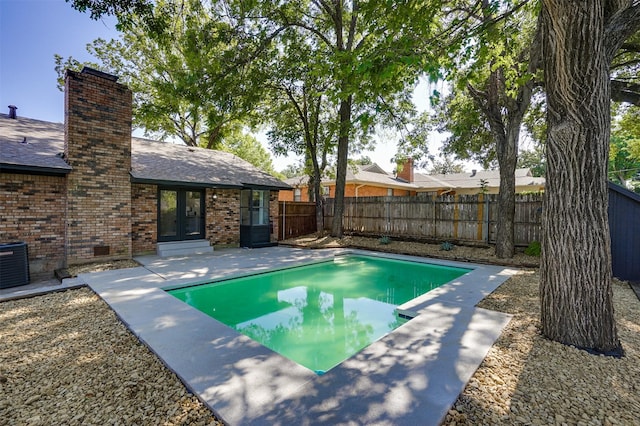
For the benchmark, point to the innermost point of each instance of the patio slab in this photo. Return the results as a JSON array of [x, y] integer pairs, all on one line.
[[410, 376]]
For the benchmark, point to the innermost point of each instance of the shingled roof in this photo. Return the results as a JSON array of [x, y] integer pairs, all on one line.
[[32, 146], [151, 161], [491, 179], [370, 174]]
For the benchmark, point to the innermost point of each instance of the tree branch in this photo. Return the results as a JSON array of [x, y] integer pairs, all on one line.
[[623, 91], [622, 25]]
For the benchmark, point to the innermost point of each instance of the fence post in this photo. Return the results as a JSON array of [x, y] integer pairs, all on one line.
[[456, 215], [284, 219], [480, 216], [435, 222], [486, 219]]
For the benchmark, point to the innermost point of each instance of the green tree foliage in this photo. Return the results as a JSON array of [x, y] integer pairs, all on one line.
[[493, 81], [182, 78], [373, 53], [534, 160], [624, 149], [469, 134], [122, 9], [445, 166], [301, 115], [628, 127], [293, 170], [247, 147], [362, 161]]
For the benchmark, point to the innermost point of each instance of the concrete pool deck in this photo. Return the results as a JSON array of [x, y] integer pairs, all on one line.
[[410, 376]]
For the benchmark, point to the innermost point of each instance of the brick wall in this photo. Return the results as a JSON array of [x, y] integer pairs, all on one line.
[[349, 191], [223, 217], [98, 147], [144, 217], [289, 195], [32, 210], [273, 214]]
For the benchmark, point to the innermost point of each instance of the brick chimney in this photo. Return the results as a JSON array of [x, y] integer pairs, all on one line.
[[98, 146], [406, 171]]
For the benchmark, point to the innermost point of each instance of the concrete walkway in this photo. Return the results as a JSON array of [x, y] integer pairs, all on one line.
[[39, 287], [411, 376]]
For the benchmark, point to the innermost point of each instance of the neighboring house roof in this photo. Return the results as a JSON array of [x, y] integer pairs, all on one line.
[[371, 174], [297, 181], [375, 176], [151, 161], [473, 180]]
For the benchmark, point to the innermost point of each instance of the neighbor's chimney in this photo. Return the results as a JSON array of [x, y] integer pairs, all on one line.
[[12, 111], [406, 173], [473, 172]]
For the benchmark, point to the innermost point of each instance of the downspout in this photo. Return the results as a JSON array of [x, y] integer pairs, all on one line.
[[358, 187]]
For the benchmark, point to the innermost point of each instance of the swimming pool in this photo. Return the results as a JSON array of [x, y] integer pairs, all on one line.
[[323, 313]]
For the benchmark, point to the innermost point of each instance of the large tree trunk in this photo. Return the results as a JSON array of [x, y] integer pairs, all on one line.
[[505, 128], [507, 152], [317, 188], [575, 270], [341, 173]]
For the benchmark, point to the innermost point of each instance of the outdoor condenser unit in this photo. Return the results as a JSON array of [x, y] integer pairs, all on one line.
[[14, 265]]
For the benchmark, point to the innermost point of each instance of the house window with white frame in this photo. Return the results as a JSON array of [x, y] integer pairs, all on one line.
[[297, 194], [389, 192]]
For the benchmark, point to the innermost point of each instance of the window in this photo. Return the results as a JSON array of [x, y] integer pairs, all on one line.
[[389, 192], [325, 191], [297, 194], [260, 207], [254, 207]]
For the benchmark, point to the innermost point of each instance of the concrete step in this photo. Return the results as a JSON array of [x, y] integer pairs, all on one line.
[[183, 248]]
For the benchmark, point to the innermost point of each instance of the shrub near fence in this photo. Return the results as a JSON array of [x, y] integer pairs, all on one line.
[[464, 218]]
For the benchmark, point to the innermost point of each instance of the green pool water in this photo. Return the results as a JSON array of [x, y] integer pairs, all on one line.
[[320, 314]]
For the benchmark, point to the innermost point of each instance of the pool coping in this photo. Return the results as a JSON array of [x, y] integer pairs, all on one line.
[[410, 376]]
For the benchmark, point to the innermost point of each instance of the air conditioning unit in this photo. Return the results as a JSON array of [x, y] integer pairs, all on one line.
[[14, 265]]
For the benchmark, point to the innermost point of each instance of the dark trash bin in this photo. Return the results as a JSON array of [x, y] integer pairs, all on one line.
[[14, 264]]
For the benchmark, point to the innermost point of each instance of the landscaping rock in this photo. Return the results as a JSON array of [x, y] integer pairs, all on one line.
[[66, 359]]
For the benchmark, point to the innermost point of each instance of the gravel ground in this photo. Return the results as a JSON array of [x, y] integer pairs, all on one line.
[[66, 359]]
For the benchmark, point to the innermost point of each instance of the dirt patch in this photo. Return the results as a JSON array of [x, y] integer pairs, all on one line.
[[458, 252], [74, 270]]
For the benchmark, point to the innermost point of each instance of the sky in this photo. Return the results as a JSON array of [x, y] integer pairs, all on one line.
[[32, 31]]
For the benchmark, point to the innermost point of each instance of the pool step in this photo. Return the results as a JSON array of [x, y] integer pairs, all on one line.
[[183, 248]]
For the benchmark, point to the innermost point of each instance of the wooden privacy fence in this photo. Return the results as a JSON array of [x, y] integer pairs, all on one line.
[[464, 218], [295, 219]]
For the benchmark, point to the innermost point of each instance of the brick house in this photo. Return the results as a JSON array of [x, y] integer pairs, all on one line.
[[87, 191], [361, 181], [372, 181]]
